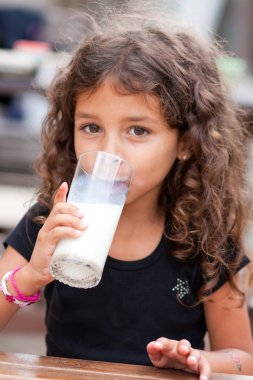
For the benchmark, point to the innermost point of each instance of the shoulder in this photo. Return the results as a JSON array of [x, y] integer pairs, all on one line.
[[234, 261], [36, 210], [23, 237]]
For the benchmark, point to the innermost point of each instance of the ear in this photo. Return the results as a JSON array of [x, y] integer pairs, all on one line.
[[184, 151]]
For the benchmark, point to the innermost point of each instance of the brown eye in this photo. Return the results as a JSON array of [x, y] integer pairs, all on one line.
[[138, 131], [91, 128]]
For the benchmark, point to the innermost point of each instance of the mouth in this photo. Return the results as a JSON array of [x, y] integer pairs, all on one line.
[[121, 185]]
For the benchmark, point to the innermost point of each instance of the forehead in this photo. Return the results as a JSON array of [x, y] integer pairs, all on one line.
[[110, 92]]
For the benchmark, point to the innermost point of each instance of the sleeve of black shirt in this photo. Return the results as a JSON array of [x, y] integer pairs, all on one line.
[[24, 235], [231, 254]]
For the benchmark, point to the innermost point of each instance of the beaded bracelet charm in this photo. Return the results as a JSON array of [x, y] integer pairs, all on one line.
[[20, 299]]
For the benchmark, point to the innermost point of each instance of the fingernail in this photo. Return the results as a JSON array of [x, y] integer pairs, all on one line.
[[193, 359], [79, 213], [83, 225], [159, 345], [77, 232]]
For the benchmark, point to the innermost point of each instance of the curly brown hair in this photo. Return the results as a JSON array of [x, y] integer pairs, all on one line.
[[205, 195]]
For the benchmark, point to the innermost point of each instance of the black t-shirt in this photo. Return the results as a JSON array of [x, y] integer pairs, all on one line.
[[135, 302]]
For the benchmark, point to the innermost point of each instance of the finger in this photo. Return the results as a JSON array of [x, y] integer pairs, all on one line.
[[52, 237], [61, 193], [154, 351], [154, 347], [193, 359], [184, 347], [66, 208], [167, 345], [69, 220], [204, 369]]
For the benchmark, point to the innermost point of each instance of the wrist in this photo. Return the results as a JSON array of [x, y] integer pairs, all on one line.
[[28, 282], [14, 294]]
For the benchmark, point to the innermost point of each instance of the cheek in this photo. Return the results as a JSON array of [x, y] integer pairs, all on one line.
[[160, 163], [76, 145], [151, 173], [80, 146]]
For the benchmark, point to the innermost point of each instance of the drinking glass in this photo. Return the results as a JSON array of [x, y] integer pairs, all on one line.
[[99, 189]]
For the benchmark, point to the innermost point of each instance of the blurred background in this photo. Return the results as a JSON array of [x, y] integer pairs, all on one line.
[[35, 39]]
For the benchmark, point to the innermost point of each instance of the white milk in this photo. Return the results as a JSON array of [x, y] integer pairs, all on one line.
[[80, 261]]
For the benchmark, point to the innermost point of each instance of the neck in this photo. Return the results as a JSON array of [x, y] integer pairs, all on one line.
[[139, 231], [142, 211]]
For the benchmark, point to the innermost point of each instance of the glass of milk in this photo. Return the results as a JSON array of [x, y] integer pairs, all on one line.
[[99, 189]]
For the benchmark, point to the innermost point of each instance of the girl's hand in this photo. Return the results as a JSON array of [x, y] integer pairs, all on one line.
[[65, 220], [168, 353]]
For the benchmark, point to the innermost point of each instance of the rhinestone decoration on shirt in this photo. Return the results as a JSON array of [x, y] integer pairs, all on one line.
[[182, 288]]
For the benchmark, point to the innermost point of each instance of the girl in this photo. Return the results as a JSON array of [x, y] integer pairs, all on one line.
[[153, 96]]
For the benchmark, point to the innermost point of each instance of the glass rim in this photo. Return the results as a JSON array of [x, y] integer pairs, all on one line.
[[108, 154]]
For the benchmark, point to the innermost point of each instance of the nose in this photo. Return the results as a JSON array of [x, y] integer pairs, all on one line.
[[111, 144]]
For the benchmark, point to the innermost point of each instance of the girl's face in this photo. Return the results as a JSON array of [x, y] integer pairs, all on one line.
[[132, 127]]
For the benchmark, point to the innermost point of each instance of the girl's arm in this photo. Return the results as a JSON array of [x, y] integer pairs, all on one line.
[[229, 332], [230, 341], [65, 220], [10, 260]]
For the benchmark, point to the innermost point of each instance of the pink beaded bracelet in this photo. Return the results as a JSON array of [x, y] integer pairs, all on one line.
[[21, 296], [20, 299]]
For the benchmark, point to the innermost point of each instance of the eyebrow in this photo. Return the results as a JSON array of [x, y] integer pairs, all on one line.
[[141, 118]]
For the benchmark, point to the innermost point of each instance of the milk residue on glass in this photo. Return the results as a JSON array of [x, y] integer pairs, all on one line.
[[79, 262]]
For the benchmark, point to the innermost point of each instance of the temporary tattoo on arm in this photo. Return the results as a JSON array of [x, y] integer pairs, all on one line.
[[236, 360]]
